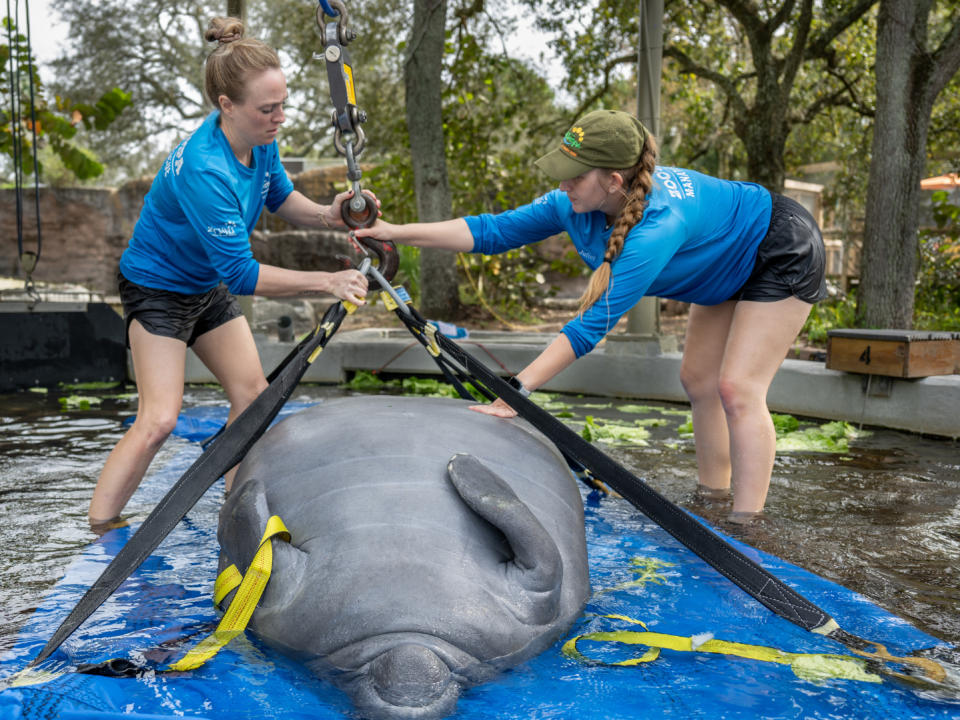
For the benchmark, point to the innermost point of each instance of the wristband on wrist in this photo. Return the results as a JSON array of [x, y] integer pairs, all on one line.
[[517, 384], [323, 218]]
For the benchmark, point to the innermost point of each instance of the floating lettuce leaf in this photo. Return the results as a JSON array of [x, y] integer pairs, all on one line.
[[784, 424], [551, 406], [42, 391], [640, 409], [816, 668], [651, 422], [675, 412], [79, 402], [601, 431], [564, 415], [90, 386], [363, 380], [542, 398], [686, 429], [597, 406], [831, 437]]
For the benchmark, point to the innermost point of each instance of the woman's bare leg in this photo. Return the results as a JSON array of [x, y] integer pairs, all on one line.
[[760, 337], [230, 353], [159, 365], [708, 329]]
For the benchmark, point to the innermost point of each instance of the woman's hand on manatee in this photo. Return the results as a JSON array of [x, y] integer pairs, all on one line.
[[498, 409], [334, 217], [349, 285]]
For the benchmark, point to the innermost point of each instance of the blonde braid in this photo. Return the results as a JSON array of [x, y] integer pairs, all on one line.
[[640, 179]]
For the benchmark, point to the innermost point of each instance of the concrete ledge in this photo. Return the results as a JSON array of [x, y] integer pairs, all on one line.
[[929, 405]]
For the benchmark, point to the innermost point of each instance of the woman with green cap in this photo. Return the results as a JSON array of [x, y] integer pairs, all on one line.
[[750, 262]]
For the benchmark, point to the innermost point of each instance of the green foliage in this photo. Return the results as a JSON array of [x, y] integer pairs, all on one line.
[[830, 314], [937, 304], [784, 424], [494, 108], [56, 123]]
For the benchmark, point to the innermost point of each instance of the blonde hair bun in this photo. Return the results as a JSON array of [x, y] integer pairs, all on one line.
[[224, 30]]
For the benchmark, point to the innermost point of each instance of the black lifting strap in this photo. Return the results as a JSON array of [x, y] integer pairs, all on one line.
[[723, 557], [224, 452]]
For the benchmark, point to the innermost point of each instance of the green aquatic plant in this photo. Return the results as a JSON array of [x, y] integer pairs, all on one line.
[[608, 432]]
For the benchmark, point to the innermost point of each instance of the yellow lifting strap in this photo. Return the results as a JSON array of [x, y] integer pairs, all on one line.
[[251, 587], [326, 327], [809, 666]]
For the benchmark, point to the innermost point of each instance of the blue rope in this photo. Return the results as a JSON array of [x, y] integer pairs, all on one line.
[[328, 10]]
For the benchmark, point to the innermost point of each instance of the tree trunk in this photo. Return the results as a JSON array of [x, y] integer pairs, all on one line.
[[909, 78], [440, 294]]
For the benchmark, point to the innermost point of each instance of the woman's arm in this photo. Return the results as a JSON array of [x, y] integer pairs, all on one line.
[[297, 209], [558, 356], [347, 285], [452, 235]]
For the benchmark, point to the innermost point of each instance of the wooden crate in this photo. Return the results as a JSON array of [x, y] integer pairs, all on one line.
[[895, 353]]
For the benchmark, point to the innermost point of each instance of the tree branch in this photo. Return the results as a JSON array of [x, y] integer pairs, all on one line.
[[819, 46], [946, 60], [607, 69], [722, 81], [795, 58]]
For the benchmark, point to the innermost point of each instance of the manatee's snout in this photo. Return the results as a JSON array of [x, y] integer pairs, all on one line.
[[407, 681]]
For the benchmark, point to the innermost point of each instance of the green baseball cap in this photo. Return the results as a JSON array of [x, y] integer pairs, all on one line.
[[603, 139]]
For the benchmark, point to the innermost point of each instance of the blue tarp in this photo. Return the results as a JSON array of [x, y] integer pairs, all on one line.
[[165, 608]]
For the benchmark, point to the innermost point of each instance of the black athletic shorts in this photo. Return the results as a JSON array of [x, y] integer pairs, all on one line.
[[174, 315], [791, 259]]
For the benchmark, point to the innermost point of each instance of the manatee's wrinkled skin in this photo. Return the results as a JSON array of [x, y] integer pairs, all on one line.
[[432, 547]]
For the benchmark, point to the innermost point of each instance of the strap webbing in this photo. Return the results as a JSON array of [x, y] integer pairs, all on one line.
[[223, 453], [251, 587], [723, 557]]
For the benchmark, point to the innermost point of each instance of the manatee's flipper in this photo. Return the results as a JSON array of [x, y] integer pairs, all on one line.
[[243, 520], [535, 573], [409, 681]]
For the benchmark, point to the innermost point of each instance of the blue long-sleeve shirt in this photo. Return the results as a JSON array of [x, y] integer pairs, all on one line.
[[194, 229], [697, 242]]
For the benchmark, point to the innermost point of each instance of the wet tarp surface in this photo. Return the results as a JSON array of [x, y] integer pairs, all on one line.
[[637, 571]]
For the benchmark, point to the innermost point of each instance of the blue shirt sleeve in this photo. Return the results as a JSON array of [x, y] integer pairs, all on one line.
[[214, 212], [280, 185], [646, 251], [493, 234]]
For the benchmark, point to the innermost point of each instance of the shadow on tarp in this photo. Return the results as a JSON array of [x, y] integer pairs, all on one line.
[[637, 570]]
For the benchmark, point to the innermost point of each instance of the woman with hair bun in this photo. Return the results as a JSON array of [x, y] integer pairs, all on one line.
[[193, 235], [751, 263]]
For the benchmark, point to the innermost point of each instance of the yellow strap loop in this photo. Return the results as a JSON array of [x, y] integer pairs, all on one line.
[[431, 333], [237, 617], [227, 582], [810, 666]]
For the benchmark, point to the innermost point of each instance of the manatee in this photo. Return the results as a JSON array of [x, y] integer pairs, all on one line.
[[432, 547]]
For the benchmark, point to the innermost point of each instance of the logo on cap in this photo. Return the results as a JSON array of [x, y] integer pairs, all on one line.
[[574, 137]]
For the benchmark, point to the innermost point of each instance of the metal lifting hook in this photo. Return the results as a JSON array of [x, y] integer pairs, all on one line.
[[387, 256], [347, 118]]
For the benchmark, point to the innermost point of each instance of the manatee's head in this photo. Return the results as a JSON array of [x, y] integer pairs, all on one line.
[[406, 681]]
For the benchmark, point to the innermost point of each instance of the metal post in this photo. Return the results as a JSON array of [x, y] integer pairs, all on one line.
[[643, 320]]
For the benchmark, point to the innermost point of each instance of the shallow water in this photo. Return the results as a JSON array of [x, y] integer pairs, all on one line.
[[882, 519]]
